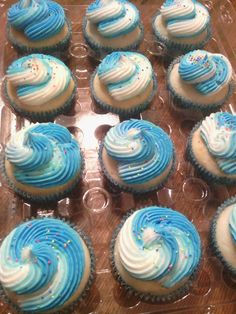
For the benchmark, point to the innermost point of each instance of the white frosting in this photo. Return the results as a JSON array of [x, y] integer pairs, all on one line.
[[109, 8], [180, 8]]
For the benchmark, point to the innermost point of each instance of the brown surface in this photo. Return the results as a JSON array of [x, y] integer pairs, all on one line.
[[214, 291]]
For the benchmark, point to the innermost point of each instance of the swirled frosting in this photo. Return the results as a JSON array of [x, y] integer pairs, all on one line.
[[159, 244], [207, 72], [232, 223], [38, 78], [143, 150], [125, 74], [44, 155], [219, 133], [113, 17], [184, 18], [42, 262], [38, 20]]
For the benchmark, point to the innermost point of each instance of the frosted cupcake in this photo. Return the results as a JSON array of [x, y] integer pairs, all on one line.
[[137, 156], [39, 87], [212, 149], [182, 25], [124, 83], [38, 260], [38, 26], [42, 162], [155, 253], [112, 25], [200, 81], [223, 234]]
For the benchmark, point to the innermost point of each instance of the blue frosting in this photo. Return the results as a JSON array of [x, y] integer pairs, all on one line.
[[219, 133], [143, 150], [44, 251], [112, 22], [174, 240], [232, 224], [207, 72], [45, 156], [38, 20]]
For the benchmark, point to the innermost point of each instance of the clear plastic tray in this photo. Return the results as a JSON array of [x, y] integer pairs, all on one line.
[[96, 208]]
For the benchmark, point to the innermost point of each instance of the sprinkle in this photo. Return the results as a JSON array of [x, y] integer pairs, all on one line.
[[17, 260], [49, 262], [48, 230], [65, 245], [53, 241], [37, 240], [29, 225], [69, 241]]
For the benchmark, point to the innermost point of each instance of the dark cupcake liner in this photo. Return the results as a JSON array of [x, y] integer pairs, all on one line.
[[57, 50], [125, 113], [131, 189], [84, 294], [183, 103], [174, 48], [148, 297], [101, 51], [35, 198], [205, 174], [43, 116], [213, 241]]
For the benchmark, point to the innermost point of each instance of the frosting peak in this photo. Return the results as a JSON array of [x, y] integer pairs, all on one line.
[[125, 74], [184, 18], [114, 17], [219, 133], [207, 72], [143, 150]]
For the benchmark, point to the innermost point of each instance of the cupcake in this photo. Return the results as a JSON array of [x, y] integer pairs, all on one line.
[[182, 25], [45, 266], [137, 156], [212, 150], [124, 83], [112, 25], [39, 87], [223, 234], [155, 253], [38, 26], [42, 162], [200, 81]]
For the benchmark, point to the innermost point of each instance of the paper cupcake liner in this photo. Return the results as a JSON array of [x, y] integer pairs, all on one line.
[[57, 50], [205, 174], [83, 295], [43, 116], [179, 48], [42, 198], [148, 297], [213, 240], [184, 103], [101, 50], [125, 113], [131, 189]]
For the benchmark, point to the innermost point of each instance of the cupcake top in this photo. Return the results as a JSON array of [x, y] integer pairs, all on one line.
[[159, 244], [142, 150], [207, 72], [232, 224], [38, 78], [42, 264], [184, 18], [113, 18], [125, 74], [218, 131], [44, 155], [38, 20]]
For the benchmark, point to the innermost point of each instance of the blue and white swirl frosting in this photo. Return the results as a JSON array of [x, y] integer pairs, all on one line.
[[207, 72], [44, 155], [42, 262], [142, 150], [184, 18], [125, 74], [232, 224], [38, 19], [113, 18], [38, 78], [159, 244], [219, 134]]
